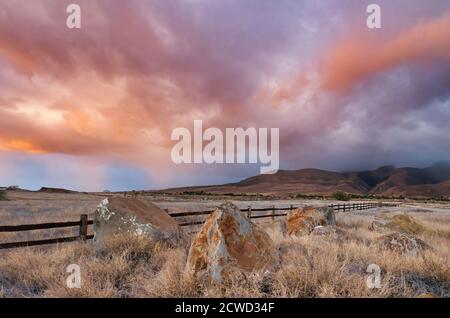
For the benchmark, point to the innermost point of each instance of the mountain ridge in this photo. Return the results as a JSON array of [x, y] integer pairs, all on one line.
[[433, 181]]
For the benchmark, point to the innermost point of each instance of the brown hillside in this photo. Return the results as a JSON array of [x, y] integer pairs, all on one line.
[[388, 180]]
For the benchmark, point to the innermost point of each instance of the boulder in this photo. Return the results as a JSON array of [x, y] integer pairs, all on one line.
[[229, 241], [379, 224], [322, 230], [337, 235], [116, 215], [303, 221], [402, 243], [403, 223]]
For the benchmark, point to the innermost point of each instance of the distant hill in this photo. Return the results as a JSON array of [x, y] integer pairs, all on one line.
[[433, 181], [55, 190]]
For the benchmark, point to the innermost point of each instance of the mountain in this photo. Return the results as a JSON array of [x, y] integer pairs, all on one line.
[[433, 181]]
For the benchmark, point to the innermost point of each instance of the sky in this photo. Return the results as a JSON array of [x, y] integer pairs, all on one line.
[[93, 108]]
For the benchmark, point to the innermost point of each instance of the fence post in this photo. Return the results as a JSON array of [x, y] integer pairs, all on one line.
[[83, 227], [273, 212], [249, 212]]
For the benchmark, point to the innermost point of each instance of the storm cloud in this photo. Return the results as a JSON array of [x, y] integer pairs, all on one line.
[[109, 94]]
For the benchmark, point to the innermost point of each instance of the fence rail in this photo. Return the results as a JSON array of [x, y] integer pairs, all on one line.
[[84, 222], [82, 236], [345, 207]]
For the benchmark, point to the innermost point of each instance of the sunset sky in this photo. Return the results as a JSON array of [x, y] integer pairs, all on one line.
[[94, 108]]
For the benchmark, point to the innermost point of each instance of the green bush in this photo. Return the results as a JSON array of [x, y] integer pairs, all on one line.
[[194, 192], [341, 196], [2, 195]]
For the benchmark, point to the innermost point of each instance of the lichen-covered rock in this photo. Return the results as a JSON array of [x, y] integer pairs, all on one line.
[[402, 243], [322, 230], [379, 224], [337, 235], [117, 215], [303, 221], [400, 223], [229, 241]]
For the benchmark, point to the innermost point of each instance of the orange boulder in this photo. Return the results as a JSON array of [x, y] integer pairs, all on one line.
[[303, 221], [230, 241]]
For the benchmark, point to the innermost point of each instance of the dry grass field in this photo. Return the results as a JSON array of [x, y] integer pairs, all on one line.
[[312, 266]]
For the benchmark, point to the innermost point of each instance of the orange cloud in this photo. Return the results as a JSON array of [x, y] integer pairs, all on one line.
[[23, 61], [22, 145], [357, 59]]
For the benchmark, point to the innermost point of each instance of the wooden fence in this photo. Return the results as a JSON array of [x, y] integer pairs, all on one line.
[[346, 207], [84, 222], [82, 236]]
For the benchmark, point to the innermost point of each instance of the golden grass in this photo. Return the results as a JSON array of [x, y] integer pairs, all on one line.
[[312, 266]]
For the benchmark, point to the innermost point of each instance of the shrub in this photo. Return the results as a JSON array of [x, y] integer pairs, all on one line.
[[194, 192], [2, 195], [341, 196]]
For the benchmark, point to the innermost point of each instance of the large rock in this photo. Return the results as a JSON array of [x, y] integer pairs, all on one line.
[[400, 223], [303, 221], [116, 215], [379, 224], [402, 243], [337, 235], [321, 230], [228, 241]]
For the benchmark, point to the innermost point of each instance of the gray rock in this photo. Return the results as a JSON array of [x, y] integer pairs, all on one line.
[[402, 243], [379, 224], [117, 215]]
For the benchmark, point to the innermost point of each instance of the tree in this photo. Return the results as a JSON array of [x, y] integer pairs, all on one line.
[[341, 196]]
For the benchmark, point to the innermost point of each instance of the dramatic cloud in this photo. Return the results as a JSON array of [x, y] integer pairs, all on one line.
[[357, 59], [109, 95]]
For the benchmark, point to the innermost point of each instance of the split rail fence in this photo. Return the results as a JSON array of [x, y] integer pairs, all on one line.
[[274, 211], [84, 222], [82, 236]]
